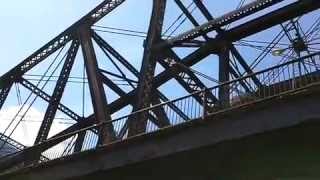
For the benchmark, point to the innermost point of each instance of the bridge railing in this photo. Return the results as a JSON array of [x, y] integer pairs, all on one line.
[[274, 81]]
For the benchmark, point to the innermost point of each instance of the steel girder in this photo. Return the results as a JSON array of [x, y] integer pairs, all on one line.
[[224, 71], [46, 97], [203, 9], [271, 19], [57, 93], [143, 97], [98, 96], [226, 19]]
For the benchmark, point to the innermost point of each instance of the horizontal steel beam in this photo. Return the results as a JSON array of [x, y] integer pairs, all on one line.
[[226, 19], [269, 20]]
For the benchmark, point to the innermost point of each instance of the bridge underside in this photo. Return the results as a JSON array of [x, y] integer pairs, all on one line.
[[270, 142], [282, 154]]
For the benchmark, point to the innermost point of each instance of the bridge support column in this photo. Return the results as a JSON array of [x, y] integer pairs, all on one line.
[[138, 123], [224, 72], [98, 95]]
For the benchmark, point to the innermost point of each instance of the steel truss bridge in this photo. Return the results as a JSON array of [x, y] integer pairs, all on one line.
[[291, 27]]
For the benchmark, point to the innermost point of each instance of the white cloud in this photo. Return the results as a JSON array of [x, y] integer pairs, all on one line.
[[27, 129]]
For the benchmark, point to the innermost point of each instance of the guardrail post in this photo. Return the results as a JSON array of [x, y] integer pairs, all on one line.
[[293, 77], [204, 103]]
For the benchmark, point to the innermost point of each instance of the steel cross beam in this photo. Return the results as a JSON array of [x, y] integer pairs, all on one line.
[[203, 9], [271, 19], [43, 95], [237, 76], [186, 13], [226, 19], [112, 85], [57, 93], [91, 120], [36, 57], [104, 45]]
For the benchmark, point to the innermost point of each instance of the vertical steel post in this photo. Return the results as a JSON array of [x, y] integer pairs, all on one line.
[[144, 94], [204, 103], [98, 96], [224, 70], [79, 142]]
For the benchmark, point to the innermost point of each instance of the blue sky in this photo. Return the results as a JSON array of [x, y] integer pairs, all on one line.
[[27, 25]]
